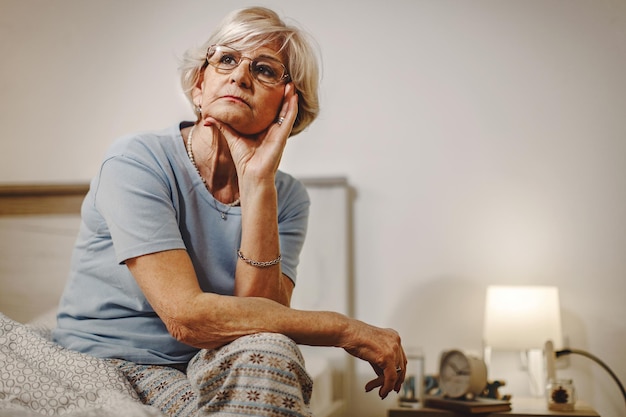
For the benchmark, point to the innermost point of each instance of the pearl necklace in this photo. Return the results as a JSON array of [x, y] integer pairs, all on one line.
[[193, 162]]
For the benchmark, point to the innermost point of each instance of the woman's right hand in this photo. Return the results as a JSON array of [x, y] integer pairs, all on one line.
[[261, 154]]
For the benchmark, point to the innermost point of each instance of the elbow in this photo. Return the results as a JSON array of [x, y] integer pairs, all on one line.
[[178, 316], [179, 329], [189, 329], [179, 322]]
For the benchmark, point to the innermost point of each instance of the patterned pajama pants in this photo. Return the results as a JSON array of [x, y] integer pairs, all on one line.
[[257, 375]]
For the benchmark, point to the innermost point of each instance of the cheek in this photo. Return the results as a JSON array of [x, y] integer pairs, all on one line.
[[266, 112], [272, 105]]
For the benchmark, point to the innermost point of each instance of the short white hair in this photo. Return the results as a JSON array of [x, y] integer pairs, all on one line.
[[252, 28]]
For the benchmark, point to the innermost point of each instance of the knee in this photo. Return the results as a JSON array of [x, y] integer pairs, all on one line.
[[271, 343], [264, 368], [275, 356], [272, 350]]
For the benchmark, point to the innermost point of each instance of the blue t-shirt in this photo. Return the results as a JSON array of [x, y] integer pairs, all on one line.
[[147, 198]]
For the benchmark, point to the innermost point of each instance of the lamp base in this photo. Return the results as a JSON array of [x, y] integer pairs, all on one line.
[[536, 372], [532, 361]]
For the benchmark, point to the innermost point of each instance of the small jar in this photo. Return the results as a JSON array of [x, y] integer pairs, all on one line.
[[561, 395], [412, 392]]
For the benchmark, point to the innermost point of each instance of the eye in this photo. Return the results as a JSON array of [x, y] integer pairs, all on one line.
[[229, 60], [266, 69]]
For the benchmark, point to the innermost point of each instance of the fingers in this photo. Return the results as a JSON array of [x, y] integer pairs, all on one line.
[[289, 110], [224, 129], [389, 365], [388, 381], [374, 383], [390, 378], [401, 371]]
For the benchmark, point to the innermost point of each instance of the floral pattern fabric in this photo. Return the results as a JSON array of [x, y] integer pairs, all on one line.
[[257, 375]]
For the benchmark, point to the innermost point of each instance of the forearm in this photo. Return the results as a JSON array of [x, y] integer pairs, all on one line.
[[260, 242], [232, 317], [199, 318]]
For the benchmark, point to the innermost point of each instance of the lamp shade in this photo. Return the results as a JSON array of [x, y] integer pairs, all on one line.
[[522, 317]]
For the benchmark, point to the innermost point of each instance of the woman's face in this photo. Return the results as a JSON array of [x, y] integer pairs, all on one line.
[[238, 99]]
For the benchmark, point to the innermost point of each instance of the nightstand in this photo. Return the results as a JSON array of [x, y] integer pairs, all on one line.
[[521, 407]]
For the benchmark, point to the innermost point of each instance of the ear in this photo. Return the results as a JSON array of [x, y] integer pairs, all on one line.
[[196, 91]]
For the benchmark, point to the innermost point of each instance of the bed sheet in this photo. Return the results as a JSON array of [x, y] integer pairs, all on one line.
[[40, 377]]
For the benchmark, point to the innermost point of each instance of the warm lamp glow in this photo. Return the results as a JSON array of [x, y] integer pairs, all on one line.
[[522, 317]]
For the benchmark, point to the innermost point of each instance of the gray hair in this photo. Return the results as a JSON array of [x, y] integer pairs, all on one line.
[[254, 27]]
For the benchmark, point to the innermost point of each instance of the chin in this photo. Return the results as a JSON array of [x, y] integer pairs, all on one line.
[[243, 127]]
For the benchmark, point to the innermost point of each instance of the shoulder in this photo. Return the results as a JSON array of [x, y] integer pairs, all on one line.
[[144, 158], [150, 144], [290, 188], [293, 198]]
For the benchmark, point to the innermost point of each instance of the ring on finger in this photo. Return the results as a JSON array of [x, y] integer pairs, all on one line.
[[280, 120]]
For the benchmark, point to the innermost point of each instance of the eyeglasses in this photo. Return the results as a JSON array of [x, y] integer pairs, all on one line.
[[265, 69]]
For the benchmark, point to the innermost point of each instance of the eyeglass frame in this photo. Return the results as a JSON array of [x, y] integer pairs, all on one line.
[[284, 78]]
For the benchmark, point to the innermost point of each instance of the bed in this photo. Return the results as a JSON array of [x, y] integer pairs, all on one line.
[[38, 225]]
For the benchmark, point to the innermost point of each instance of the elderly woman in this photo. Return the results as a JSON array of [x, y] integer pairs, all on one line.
[[186, 259]]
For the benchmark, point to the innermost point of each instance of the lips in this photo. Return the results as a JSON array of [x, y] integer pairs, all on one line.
[[235, 98]]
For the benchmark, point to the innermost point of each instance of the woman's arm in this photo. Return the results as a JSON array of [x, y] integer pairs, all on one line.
[[207, 320], [260, 242], [256, 160]]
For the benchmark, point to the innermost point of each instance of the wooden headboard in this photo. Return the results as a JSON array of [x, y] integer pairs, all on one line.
[[38, 227], [41, 199]]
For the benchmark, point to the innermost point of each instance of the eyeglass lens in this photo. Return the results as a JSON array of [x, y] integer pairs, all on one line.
[[265, 69]]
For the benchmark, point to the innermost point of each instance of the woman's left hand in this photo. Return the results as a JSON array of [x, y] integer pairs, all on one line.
[[382, 348], [260, 155]]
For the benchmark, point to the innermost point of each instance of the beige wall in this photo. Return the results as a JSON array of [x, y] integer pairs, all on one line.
[[486, 141]]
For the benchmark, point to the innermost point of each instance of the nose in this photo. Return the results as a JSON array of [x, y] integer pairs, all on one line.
[[242, 74]]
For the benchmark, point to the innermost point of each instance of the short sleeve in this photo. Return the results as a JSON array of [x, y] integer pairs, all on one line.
[[136, 202], [293, 219]]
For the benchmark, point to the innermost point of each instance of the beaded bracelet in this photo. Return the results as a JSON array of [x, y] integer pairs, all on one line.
[[259, 264]]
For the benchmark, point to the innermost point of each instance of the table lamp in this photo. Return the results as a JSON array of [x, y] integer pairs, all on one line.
[[523, 318]]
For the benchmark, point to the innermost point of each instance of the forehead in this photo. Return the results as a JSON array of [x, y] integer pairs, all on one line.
[[271, 49]]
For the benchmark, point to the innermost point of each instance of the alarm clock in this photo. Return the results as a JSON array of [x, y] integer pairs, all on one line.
[[461, 375]]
